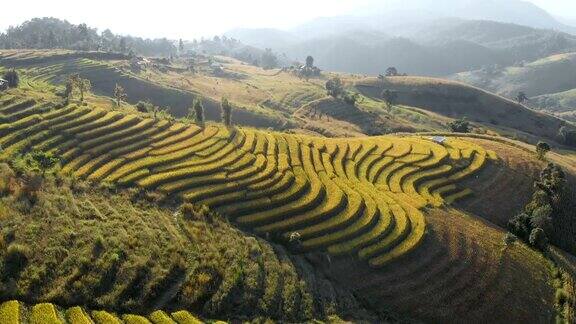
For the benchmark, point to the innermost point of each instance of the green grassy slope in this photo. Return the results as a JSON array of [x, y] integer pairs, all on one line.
[[261, 98], [458, 100], [549, 82], [562, 104], [100, 69], [547, 75], [120, 252], [373, 208]]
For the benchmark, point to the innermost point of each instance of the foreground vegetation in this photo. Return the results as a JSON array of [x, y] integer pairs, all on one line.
[[119, 251]]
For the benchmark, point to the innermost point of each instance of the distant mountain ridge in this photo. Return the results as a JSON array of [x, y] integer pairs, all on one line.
[[435, 48], [417, 37]]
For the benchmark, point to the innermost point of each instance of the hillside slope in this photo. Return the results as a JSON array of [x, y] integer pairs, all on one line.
[[373, 208], [545, 76], [458, 100], [101, 70], [549, 82]]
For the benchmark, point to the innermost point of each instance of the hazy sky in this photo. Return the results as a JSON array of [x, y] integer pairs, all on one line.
[[191, 19]]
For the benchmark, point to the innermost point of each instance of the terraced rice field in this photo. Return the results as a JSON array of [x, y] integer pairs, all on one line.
[[15, 312], [361, 196]]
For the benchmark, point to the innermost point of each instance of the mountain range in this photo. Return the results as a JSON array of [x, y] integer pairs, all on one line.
[[419, 37]]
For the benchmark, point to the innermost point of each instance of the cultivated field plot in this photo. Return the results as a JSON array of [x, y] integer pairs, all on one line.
[[355, 196], [14, 312]]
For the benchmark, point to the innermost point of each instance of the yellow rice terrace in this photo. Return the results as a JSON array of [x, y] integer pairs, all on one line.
[[14, 312], [364, 196]]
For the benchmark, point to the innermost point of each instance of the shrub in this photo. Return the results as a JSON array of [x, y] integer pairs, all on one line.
[[13, 78], [351, 98], [509, 238], [143, 106], [15, 260], [8, 181], [334, 87], [538, 239], [30, 187], [191, 212], [154, 196], [541, 149], [561, 296], [460, 126]]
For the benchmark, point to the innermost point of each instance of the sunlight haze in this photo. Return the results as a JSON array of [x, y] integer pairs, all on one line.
[[188, 20]]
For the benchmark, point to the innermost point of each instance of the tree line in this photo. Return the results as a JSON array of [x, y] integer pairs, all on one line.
[[42, 33]]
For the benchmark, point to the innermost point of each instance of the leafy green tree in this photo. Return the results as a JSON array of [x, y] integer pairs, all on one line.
[[269, 59], [69, 88], [83, 85], [119, 94], [460, 126], [538, 239], [520, 225], [541, 149], [351, 98], [391, 71], [181, 46], [389, 98], [334, 87], [197, 111], [309, 61], [226, 112], [13, 78], [44, 160]]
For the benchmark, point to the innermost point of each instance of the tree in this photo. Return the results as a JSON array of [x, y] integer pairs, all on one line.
[[13, 78], [269, 59], [541, 149], [123, 46], [391, 71], [351, 98], [181, 46], [44, 160], [144, 106], [334, 87], [538, 239], [69, 88], [520, 225], [83, 85], [460, 126], [309, 61], [226, 112], [198, 111], [389, 98], [119, 94], [541, 218], [521, 97]]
